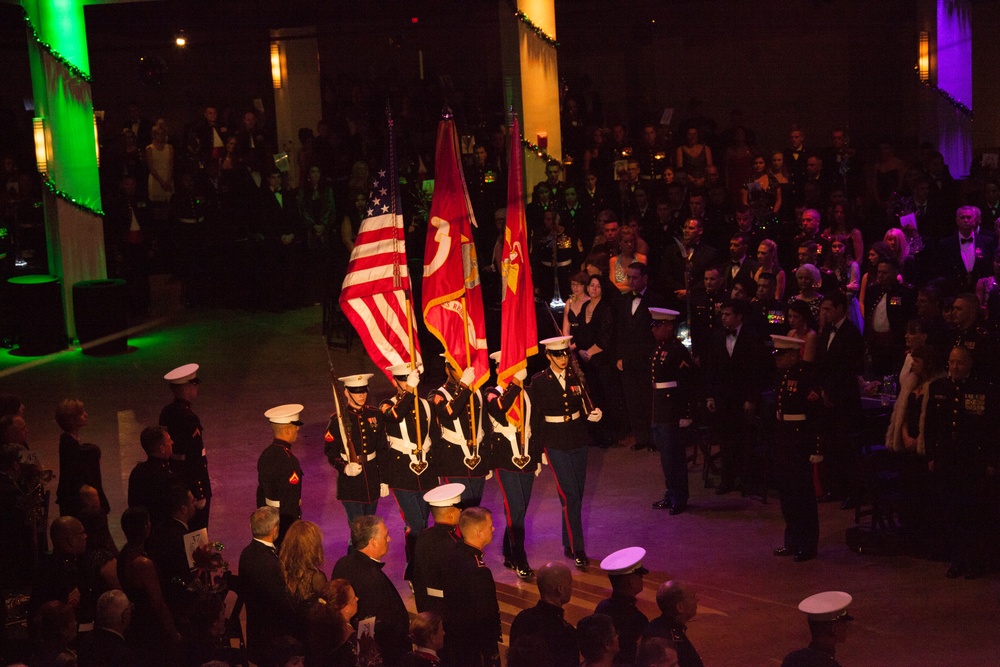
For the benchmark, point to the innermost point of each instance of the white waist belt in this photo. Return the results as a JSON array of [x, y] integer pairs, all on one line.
[[664, 385], [272, 503], [435, 592], [565, 263], [370, 457], [190, 221], [401, 446], [792, 418], [560, 420]]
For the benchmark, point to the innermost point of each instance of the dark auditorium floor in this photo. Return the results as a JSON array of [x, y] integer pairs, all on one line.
[[906, 612]]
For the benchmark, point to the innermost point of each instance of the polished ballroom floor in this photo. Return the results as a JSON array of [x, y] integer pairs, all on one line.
[[906, 612]]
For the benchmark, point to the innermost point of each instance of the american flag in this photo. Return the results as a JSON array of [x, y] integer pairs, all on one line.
[[376, 293]]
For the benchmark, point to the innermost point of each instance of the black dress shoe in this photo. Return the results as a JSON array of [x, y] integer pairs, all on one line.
[[524, 572], [973, 572], [782, 551], [664, 504], [955, 571], [677, 509], [638, 447], [802, 557], [849, 503], [724, 489], [581, 560], [509, 564]]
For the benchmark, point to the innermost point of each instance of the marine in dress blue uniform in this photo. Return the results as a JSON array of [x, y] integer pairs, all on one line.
[[404, 466], [672, 376], [189, 459], [795, 451], [434, 554], [625, 571], [359, 483], [461, 453], [517, 459], [828, 623], [279, 475], [558, 416]]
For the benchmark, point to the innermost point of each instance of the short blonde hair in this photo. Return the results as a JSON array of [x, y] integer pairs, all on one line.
[[67, 409]]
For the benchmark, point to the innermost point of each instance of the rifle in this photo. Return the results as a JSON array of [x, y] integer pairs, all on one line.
[[574, 363], [352, 454]]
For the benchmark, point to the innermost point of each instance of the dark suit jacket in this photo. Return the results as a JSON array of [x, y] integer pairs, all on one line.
[[268, 603], [634, 339], [900, 308], [838, 368], [377, 597], [165, 547], [734, 380], [103, 648], [671, 276], [747, 269], [951, 266]]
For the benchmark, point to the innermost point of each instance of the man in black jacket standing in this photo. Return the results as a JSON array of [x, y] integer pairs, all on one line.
[[377, 596], [635, 343], [262, 585], [189, 459], [737, 371]]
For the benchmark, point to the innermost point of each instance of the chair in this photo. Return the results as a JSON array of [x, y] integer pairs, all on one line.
[[879, 498], [235, 638]]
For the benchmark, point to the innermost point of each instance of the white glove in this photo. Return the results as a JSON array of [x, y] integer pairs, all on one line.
[[521, 375], [816, 458], [352, 469], [383, 490], [595, 415], [538, 469], [684, 423], [490, 475], [545, 459], [468, 376], [413, 379]]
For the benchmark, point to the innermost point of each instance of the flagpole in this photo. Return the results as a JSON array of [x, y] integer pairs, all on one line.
[[468, 360], [394, 184]]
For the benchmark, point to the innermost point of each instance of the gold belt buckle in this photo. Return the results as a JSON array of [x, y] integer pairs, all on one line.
[[565, 418]]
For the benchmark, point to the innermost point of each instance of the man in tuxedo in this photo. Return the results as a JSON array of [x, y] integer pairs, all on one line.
[[741, 265], [635, 343], [967, 255], [105, 646], [685, 261], [840, 361], [262, 585], [165, 547], [795, 162], [377, 595], [737, 374]]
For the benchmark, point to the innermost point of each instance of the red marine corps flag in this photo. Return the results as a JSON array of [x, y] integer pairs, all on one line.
[[452, 295], [519, 330], [376, 294]]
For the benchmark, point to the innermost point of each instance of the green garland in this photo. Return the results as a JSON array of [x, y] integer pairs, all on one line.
[[51, 187], [74, 70], [541, 34], [539, 151], [955, 103]]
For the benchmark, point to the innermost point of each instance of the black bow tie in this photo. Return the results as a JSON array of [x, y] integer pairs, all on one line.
[[736, 263], [968, 240], [731, 332], [830, 329]]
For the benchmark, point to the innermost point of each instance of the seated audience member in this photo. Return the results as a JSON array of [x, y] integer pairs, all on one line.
[[55, 631], [678, 604], [268, 603], [204, 630], [598, 640], [284, 651], [79, 462], [105, 646], [16, 553], [427, 634], [546, 619]]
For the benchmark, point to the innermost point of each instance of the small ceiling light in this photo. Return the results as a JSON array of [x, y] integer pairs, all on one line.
[[181, 39], [276, 65]]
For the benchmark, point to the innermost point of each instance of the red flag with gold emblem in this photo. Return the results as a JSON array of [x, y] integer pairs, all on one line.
[[452, 294], [519, 329]]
